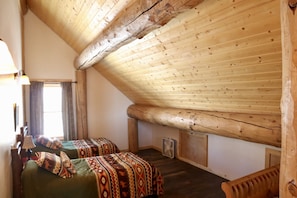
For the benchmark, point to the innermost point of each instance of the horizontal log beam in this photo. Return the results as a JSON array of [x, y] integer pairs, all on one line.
[[138, 20], [264, 129]]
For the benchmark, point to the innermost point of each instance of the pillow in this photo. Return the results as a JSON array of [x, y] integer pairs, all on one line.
[[57, 144], [49, 142], [67, 162], [52, 163]]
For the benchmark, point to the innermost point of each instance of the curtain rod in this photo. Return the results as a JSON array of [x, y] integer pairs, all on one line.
[[52, 80]]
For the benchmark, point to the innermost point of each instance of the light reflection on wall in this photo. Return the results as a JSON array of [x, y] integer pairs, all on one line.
[[8, 96]]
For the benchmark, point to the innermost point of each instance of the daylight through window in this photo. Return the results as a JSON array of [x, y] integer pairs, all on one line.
[[52, 110]]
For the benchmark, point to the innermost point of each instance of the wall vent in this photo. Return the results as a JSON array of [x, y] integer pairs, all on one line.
[[168, 149], [193, 147]]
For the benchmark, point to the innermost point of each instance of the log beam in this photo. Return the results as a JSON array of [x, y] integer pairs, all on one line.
[[138, 20], [81, 105], [265, 129], [133, 135], [288, 173]]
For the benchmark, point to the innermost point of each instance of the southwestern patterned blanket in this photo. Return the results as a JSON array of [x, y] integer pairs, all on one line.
[[82, 148], [117, 175], [125, 175]]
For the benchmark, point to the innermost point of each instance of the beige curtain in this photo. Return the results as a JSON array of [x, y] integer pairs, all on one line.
[[36, 108], [67, 112]]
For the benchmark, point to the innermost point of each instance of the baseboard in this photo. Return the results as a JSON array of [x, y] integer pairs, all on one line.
[[150, 147]]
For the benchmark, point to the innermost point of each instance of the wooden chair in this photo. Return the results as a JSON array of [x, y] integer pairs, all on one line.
[[261, 184]]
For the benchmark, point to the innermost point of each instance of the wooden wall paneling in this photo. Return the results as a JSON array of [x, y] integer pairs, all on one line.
[[135, 22], [78, 22], [81, 104], [193, 147], [288, 173], [215, 62]]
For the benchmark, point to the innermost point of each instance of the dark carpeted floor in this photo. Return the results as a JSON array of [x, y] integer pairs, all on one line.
[[182, 180]]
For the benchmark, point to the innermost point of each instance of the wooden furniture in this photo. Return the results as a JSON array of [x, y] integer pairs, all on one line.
[[17, 163], [261, 184], [121, 172]]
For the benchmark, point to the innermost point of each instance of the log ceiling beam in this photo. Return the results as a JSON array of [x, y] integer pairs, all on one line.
[[288, 173], [264, 129], [139, 19]]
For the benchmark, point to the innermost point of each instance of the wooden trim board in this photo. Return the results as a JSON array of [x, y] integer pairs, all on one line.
[[272, 157]]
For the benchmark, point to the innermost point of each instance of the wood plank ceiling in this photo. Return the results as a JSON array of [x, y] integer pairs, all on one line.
[[78, 22], [219, 56]]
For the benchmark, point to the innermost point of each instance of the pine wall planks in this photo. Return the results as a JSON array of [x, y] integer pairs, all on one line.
[[78, 22], [223, 55]]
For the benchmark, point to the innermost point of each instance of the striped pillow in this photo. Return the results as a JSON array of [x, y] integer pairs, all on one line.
[[49, 142], [52, 163], [67, 162]]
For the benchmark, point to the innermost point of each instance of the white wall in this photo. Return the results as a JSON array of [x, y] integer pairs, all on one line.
[[47, 56], [10, 91], [233, 158], [107, 110], [227, 157], [144, 134]]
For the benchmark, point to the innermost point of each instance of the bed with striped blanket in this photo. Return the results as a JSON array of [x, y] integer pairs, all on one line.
[[117, 175], [81, 148], [73, 148]]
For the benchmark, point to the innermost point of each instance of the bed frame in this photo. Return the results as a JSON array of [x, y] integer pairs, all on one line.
[[17, 154], [261, 184]]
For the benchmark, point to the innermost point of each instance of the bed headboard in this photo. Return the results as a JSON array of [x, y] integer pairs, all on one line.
[[16, 162], [264, 183]]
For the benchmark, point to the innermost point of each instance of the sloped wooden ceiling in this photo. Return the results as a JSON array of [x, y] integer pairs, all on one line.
[[220, 56], [102, 24], [78, 22]]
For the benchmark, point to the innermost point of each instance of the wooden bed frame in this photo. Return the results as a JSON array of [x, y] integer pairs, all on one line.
[[17, 154], [261, 184], [18, 157]]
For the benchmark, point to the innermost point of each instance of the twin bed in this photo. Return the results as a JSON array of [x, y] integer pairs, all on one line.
[[98, 169], [112, 174], [78, 148]]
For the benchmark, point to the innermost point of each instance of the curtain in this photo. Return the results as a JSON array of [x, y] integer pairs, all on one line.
[[67, 112], [36, 108]]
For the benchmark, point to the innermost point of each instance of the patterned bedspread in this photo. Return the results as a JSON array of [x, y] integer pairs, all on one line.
[[121, 175], [81, 148], [94, 147]]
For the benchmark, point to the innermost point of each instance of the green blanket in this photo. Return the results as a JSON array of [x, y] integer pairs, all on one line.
[[39, 183], [118, 175], [68, 148], [82, 148]]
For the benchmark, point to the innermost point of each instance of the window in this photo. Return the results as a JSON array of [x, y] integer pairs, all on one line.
[[52, 110]]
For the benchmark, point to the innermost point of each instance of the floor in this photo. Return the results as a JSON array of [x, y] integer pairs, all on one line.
[[182, 180]]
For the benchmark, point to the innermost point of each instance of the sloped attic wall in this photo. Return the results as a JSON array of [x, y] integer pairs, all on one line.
[[221, 56]]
